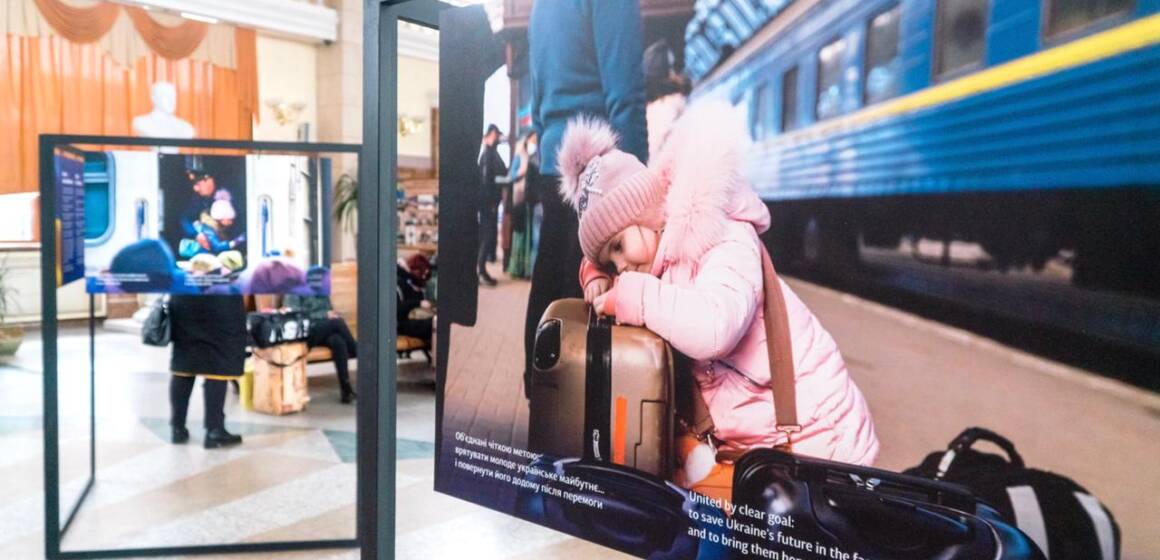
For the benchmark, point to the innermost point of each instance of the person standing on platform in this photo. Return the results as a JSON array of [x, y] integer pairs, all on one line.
[[585, 59], [491, 165], [209, 341]]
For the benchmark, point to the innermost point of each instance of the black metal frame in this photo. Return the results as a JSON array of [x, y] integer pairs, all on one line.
[[54, 530], [378, 221]]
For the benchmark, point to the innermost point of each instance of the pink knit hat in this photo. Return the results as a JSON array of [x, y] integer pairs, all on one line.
[[610, 189]]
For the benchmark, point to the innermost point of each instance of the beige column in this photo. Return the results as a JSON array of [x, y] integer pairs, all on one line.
[[340, 83]]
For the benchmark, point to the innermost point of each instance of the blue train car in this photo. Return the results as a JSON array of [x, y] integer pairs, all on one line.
[[1029, 127]]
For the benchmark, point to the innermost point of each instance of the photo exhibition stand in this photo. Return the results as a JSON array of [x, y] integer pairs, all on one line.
[[377, 224], [371, 306]]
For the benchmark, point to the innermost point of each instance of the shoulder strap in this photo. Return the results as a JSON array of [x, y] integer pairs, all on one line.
[[783, 381], [780, 348]]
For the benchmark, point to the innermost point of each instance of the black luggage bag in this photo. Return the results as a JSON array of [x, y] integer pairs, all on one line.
[[278, 327], [826, 506], [1066, 521]]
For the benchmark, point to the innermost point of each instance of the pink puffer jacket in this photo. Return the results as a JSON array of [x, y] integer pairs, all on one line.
[[704, 295]]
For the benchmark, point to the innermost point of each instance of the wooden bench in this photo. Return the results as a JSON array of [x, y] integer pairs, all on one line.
[[344, 299]]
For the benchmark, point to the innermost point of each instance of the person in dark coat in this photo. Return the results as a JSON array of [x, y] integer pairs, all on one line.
[[585, 59], [209, 341], [491, 166]]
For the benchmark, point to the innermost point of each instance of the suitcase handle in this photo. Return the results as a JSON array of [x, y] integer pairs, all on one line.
[[968, 438]]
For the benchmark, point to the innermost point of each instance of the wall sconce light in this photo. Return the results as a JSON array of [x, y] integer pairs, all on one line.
[[285, 112], [409, 125]]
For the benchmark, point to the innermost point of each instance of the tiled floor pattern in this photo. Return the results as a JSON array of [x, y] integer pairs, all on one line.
[[292, 479]]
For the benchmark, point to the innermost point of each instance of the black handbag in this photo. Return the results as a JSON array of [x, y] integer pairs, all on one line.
[[811, 505], [272, 329], [157, 328], [1066, 521]]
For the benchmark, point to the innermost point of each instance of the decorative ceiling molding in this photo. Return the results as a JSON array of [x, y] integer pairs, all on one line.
[[291, 18], [418, 43]]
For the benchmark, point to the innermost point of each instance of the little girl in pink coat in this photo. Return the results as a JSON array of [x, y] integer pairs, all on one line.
[[680, 238]]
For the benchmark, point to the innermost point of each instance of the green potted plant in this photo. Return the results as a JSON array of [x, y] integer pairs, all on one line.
[[346, 202], [11, 336]]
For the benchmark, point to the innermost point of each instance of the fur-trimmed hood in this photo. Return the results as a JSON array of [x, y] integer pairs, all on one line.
[[702, 162]]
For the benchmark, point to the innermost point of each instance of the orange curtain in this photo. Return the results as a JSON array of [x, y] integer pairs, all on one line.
[[173, 43], [50, 85], [79, 25]]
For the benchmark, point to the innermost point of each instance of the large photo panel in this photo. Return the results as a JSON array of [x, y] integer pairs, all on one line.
[[800, 279]]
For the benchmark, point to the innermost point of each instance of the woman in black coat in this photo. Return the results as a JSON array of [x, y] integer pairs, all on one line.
[[209, 340]]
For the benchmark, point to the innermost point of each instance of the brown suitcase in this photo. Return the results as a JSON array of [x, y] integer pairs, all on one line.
[[280, 379], [600, 391]]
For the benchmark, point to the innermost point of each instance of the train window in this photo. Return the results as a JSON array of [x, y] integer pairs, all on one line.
[[759, 118], [882, 60], [960, 36], [831, 59], [99, 201], [789, 89], [1068, 15]]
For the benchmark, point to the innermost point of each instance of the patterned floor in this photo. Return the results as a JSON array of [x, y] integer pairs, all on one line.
[[292, 479]]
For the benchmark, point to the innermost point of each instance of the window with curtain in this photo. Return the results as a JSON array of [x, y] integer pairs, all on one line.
[[1064, 16], [831, 59], [960, 34], [759, 117], [882, 60], [789, 89]]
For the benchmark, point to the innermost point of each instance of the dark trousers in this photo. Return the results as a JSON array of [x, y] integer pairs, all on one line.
[[335, 335], [557, 269], [180, 391], [488, 230], [418, 328]]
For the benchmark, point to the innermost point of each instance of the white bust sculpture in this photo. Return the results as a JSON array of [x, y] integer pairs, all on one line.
[[161, 122]]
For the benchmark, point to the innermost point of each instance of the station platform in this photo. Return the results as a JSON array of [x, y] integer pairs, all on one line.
[[925, 383]]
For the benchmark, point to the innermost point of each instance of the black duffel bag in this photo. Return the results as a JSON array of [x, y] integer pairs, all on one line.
[[273, 328], [1066, 521], [841, 509]]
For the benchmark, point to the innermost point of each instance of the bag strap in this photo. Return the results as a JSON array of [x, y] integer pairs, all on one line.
[[780, 347], [783, 381], [279, 364], [968, 438]]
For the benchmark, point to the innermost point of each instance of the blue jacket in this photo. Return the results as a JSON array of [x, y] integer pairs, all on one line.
[[586, 59]]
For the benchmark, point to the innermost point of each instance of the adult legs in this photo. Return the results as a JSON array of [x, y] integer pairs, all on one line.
[[216, 435], [180, 391], [557, 266], [488, 222], [338, 350], [215, 403], [335, 335]]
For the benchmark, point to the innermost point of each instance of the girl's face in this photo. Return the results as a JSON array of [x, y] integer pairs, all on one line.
[[633, 249]]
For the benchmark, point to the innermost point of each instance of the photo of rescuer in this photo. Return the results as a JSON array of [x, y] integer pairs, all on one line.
[[674, 247], [212, 226]]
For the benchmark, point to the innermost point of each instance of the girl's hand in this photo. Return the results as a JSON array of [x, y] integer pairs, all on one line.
[[605, 304], [595, 288]]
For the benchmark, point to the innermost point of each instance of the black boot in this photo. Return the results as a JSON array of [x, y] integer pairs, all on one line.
[[180, 435], [487, 280], [219, 437], [348, 395]]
